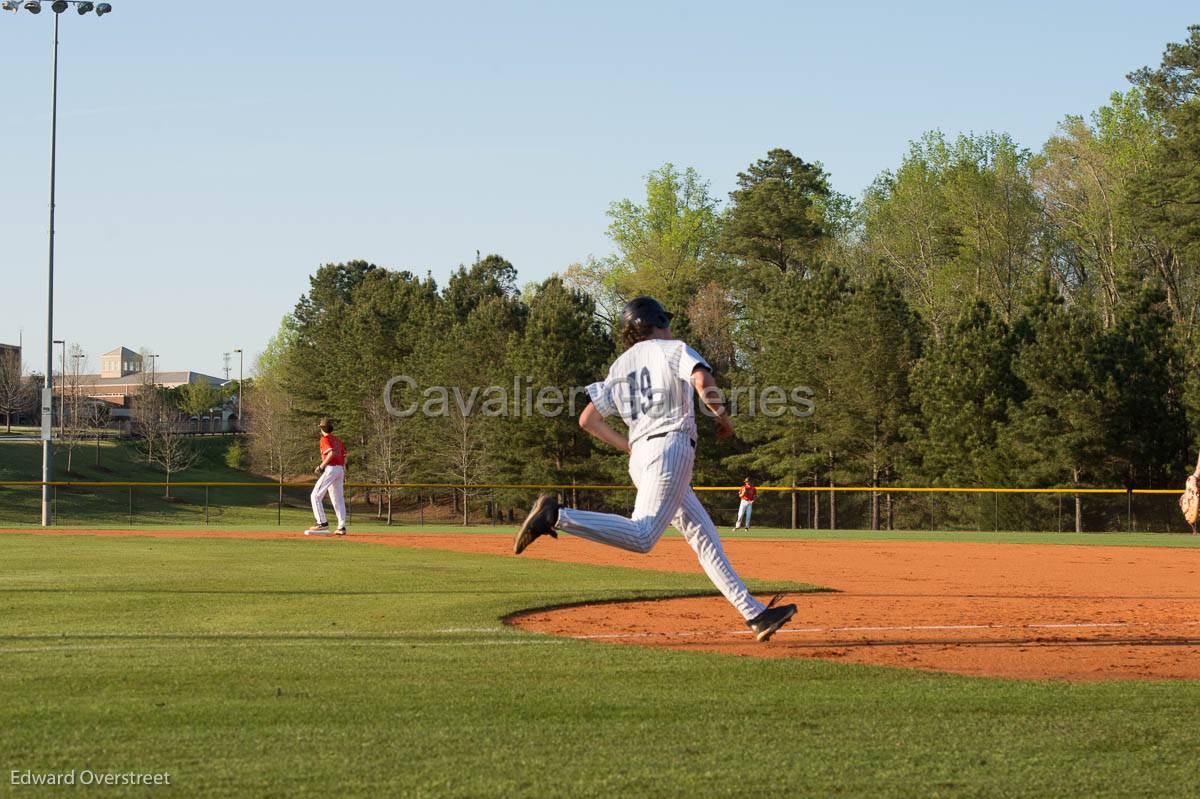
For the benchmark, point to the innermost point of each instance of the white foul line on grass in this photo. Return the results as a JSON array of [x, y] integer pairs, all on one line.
[[62, 642], [127, 645], [264, 635]]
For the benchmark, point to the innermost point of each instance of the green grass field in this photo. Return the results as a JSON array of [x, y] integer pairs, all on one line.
[[119, 461], [301, 668], [120, 507], [189, 507]]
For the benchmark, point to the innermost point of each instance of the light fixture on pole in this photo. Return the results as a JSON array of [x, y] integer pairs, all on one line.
[[58, 7]]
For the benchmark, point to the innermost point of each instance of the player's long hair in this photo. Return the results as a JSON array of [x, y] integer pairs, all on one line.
[[635, 332]]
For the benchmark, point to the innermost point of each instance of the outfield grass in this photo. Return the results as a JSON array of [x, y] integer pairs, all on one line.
[[302, 668], [188, 508], [120, 461]]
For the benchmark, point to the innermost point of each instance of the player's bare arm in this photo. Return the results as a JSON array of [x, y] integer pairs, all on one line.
[[713, 399], [591, 421]]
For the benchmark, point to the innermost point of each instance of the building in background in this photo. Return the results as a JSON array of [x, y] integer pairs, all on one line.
[[119, 363], [123, 375]]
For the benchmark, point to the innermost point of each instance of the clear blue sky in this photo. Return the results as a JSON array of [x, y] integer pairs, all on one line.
[[212, 154]]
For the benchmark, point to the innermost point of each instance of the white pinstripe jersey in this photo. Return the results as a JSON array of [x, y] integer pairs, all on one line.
[[650, 386]]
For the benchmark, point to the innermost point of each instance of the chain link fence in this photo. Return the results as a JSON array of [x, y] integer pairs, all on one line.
[[217, 505]]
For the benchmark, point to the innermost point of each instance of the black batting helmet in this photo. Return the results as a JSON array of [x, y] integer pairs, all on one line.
[[645, 311]]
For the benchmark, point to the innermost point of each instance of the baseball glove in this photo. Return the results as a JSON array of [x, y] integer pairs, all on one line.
[[1189, 501]]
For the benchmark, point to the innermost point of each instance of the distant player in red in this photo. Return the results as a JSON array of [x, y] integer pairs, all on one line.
[[747, 494], [332, 480]]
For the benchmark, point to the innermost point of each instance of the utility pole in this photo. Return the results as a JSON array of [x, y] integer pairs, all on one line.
[[58, 7], [241, 387]]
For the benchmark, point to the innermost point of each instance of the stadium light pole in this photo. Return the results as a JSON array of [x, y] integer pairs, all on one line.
[[58, 7], [240, 386]]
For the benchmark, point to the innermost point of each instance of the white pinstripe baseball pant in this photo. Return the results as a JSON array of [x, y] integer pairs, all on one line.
[[745, 510], [331, 481], [661, 469]]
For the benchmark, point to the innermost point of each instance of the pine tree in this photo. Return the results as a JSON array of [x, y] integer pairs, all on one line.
[[876, 341], [561, 347], [965, 388], [1146, 424], [777, 214], [787, 341], [1058, 434]]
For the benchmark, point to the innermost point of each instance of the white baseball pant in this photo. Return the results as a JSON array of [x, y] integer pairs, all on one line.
[[332, 481], [661, 469], [744, 510]]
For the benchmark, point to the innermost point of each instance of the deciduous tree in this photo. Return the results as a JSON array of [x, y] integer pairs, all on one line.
[[17, 391]]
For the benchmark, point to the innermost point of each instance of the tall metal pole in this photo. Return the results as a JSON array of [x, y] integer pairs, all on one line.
[[62, 397], [47, 448], [241, 387]]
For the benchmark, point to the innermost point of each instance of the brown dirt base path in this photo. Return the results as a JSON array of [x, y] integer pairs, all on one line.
[[999, 610]]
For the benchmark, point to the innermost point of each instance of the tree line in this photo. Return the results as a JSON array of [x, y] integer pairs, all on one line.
[[984, 315]]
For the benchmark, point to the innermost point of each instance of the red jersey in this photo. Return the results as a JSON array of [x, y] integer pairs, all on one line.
[[748, 493], [331, 442]]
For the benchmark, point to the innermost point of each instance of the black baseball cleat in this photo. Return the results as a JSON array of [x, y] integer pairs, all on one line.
[[775, 616], [539, 522]]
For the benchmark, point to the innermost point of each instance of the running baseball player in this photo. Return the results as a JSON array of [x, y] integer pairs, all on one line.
[[747, 495], [651, 387], [332, 481]]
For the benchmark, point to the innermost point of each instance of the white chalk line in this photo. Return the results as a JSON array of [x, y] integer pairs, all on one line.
[[265, 635], [98, 641], [876, 629], [159, 644], [64, 642], [367, 636]]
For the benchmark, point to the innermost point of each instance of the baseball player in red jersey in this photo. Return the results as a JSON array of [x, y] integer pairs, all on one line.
[[332, 480], [747, 495], [652, 386]]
